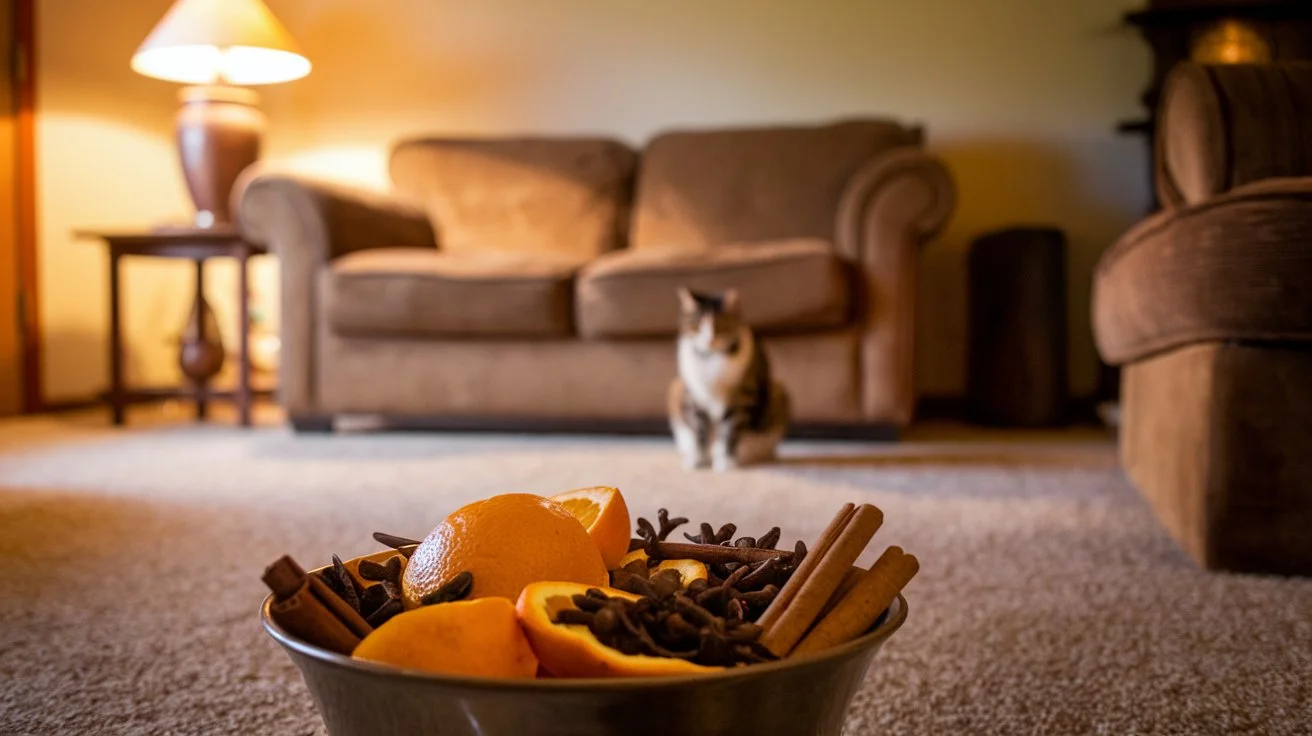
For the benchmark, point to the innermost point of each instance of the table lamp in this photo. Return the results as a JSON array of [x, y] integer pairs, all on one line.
[[215, 45]]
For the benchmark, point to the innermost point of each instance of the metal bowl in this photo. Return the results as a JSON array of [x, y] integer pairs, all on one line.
[[805, 695]]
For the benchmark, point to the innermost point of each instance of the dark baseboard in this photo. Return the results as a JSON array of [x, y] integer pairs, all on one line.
[[942, 407], [1081, 411], [140, 396], [64, 406], [635, 427]]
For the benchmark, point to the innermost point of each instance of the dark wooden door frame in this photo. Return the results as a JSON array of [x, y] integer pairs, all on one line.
[[24, 71]]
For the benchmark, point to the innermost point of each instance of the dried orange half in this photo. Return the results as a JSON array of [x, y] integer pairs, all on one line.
[[604, 514], [571, 650], [480, 637]]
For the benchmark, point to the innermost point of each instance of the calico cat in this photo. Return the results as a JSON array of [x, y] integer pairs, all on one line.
[[725, 411]]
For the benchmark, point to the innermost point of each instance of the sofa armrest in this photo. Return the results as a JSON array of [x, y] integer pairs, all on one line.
[[892, 206], [306, 224], [1233, 267], [325, 220]]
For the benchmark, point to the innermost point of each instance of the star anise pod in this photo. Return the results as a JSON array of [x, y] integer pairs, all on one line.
[[375, 603], [339, 579], [389, 571]]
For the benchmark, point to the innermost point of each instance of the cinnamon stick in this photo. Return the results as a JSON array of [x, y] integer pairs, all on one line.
[[304, 616], [715, 554], [310, 610], [340, 608], [799, 614], [809, 563], [850, 580], [863, 604]]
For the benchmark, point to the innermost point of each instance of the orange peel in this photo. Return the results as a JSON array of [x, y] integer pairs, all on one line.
[[479, 637], [602, 511], [689, 570], [506, 542], [571, 650]]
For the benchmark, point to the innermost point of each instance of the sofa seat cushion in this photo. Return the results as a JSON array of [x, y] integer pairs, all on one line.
[[418, 292], [785, 286], [1234, 268]]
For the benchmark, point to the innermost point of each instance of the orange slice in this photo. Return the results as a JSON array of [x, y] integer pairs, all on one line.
[[634, 556], [571, 650], [604, 514], [689, 570], [480, 637]]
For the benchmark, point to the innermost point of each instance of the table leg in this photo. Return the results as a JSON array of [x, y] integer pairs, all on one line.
[[202, 386], [116, 393], [244, 340]]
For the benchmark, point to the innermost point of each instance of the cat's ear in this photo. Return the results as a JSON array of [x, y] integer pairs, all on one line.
[[686, 300], [729, 300]]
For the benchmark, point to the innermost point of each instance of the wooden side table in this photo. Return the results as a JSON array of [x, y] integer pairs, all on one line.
[[196, 245]]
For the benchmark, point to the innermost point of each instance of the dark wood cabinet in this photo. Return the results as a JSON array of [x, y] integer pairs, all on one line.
[[1218, 32]]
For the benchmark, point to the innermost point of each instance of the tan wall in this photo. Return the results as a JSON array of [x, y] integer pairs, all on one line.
[[1020, 96]]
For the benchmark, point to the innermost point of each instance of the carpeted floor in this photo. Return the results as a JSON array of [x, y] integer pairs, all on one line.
[[1049, 600]]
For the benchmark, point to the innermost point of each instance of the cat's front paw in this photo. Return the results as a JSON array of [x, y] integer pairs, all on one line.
[[721, 464], [692, 462]]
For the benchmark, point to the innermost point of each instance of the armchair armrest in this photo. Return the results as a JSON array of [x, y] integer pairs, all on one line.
[[892, 206], [1233, 267], [307, 224]]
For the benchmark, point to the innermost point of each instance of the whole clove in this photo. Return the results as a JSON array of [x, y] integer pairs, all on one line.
[[668, 525], [452, 590], [667, 623], [760, 576]]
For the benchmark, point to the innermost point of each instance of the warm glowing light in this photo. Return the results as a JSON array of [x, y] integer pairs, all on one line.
[[1230, 42], [220, 41], [211, 64]]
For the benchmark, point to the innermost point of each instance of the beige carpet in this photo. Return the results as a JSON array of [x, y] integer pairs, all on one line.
[[1049, 602]]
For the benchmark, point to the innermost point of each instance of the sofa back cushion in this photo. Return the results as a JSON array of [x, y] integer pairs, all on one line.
[[700, 189], [560, 195]]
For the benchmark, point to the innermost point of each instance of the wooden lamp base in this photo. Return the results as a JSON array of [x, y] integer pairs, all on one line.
[[219, 130]]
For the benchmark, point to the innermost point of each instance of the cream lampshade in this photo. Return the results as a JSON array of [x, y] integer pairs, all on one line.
[[215, 44]]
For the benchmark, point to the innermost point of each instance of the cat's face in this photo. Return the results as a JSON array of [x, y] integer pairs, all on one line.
[[712, 322]]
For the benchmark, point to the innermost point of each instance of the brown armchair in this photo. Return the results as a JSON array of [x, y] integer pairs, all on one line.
[[1208, 308]]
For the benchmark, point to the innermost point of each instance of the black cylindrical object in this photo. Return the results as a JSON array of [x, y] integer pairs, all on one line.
[[1018, 334]]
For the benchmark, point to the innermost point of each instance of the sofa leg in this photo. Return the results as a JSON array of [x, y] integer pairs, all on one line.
[[312, 423]]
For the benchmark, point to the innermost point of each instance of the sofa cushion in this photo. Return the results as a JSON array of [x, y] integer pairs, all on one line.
[[706, 188], [1237, 267], [787, 285], [560, 195], [419, 292]]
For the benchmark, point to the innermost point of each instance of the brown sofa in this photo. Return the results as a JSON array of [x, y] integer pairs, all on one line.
[[530, 282], [1208, 306]]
